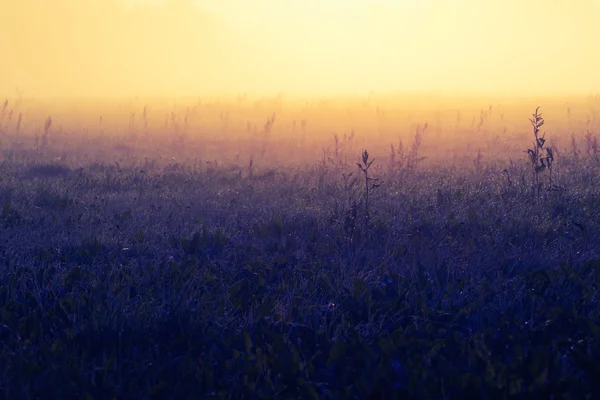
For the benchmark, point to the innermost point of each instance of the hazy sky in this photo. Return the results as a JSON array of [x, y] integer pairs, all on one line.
[[196, 47]]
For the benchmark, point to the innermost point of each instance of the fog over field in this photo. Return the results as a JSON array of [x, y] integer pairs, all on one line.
[[299, 199]]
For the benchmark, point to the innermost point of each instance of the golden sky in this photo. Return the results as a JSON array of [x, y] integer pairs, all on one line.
[[199, 47]]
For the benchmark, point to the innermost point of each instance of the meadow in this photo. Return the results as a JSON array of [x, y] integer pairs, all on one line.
[[366, 247]]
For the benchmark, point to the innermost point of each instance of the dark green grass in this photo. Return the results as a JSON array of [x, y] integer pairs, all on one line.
[[175, 283]]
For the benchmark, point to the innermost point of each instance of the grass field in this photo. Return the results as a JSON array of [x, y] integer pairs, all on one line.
[[227, 250]]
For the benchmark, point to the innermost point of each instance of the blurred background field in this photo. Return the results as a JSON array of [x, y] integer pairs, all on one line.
[[235, 130]]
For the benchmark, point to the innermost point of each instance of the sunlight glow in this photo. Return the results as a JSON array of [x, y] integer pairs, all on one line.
[[191, 47]]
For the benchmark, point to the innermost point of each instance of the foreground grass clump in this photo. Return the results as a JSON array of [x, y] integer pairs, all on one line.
[[184, 284]]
